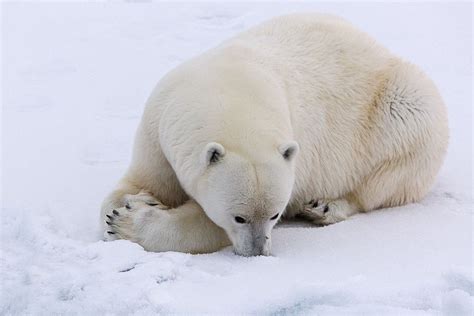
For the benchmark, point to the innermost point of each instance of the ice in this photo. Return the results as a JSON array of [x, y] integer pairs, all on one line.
[[75, 77]]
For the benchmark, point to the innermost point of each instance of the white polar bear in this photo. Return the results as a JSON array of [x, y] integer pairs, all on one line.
[[301, 115]]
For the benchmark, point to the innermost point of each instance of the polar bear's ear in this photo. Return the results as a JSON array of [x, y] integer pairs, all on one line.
[[289, 150], [213, 152]]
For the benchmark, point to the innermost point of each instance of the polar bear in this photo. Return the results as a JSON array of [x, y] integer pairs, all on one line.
[[302, 115]]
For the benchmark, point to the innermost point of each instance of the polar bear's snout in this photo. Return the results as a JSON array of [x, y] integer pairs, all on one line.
[[261, 245], [253, 240]]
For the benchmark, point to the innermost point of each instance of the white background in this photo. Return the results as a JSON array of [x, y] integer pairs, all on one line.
[[75, 78]]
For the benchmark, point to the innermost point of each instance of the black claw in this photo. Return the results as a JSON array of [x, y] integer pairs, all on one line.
[[127, 206], [108, 223], [315, 204], [115, 212], [152, 204], [326, 209], [111, 233], [110, 217]]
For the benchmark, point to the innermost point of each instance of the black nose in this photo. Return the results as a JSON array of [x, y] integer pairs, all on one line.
[[260, 252], [260, 244], [253, 253]]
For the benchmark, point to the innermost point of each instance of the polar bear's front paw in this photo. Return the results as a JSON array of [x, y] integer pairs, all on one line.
[[133, 221], [326, 212]]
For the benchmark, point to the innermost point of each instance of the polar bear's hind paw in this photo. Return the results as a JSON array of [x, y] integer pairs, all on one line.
[[326, 212]]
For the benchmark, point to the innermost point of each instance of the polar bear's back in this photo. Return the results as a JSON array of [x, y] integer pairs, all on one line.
[[341, 65], [315, 39]]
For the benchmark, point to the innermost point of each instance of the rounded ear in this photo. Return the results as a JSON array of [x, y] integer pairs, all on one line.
[[213, 152], [289, 150]]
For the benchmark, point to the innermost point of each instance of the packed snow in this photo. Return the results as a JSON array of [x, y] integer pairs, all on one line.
[[75, 77]]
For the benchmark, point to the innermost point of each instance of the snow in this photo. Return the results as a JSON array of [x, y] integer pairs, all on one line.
[[75, 77]]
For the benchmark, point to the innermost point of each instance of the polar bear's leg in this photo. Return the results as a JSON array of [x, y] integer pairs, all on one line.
[[397, 182], [326, 212], [149, 171], [180, 225], [146, 221]]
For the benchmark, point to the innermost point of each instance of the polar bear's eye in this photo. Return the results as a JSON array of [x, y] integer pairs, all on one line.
[[239, 219], [274, 217]]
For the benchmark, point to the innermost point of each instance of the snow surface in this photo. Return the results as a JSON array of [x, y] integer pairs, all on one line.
[[74, 80]]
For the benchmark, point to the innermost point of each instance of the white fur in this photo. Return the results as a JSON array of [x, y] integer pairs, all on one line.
[[371, 131]]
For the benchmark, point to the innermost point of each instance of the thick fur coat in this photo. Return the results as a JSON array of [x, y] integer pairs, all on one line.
[[302, 115]]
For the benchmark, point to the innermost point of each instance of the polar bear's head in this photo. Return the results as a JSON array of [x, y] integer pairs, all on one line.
[[246, 195]]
